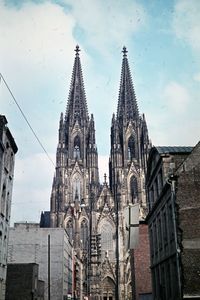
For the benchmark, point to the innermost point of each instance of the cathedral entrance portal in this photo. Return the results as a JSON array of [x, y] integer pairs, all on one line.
[[108, 289]]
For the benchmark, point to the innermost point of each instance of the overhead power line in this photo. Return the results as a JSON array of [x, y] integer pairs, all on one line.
[[26, 120]]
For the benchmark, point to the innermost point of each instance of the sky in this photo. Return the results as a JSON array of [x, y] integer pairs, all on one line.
[[37, 42]]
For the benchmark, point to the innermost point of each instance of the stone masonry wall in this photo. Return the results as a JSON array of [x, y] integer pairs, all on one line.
[[188, 200], [142, 263]]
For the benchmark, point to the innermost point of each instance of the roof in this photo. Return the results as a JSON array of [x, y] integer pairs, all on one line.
[[174, 149]]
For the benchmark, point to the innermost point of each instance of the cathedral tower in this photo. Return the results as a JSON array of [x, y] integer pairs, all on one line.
[[129, 145], [76, 173], [93, 213], [127, 168]]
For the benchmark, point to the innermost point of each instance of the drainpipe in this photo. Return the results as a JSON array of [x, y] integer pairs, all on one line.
[[172, 181]]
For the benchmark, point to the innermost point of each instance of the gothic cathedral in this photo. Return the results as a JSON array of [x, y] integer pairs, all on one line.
[[91, 212]]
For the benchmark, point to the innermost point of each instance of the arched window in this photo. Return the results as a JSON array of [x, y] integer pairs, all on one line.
[[84, 233], [77, 147], [7, 206], [76, 185], [133, 189], [107, 240], [70, 231], [131, 148], [3, 199]]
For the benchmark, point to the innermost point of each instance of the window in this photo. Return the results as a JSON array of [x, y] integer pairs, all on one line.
[[131, 148], [77, 147], [7, 205], [84, 233], [107, 240], [3, 199], [69, 229], [133, 189], [76, 188]]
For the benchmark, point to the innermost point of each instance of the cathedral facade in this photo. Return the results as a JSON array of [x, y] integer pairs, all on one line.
[[93, 213]]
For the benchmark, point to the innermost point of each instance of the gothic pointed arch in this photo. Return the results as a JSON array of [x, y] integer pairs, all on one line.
[[108, 287], [76, 186], [131, 147], [77, 147], [107, 231], [70, 229], [133, 189], [84, 233]]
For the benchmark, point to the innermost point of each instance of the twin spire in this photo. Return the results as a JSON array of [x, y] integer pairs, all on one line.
[[77, 106], [127, 104]]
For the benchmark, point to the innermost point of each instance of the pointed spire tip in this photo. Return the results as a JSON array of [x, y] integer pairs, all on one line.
[[124, 51], [77, 50]]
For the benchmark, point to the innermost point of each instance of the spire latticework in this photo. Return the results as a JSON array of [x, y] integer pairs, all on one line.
[[77, 105], [127, 104]]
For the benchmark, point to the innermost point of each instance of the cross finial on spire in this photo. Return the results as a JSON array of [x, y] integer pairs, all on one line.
[[124, 51], [77, 50], [105, 177]]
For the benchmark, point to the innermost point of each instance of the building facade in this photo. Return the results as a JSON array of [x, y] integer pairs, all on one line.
[[8, 150], [93, 213], [51, 250], [23, 282], [173, 194]]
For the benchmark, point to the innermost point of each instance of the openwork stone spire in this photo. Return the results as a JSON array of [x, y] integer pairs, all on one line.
[[77, 105], [127, 104]]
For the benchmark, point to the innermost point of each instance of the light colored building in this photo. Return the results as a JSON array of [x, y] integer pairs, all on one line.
[[50, 249], [8, 150]]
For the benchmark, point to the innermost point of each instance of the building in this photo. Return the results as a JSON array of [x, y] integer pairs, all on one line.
[[173, 186], [23, 282], [141, 265], [93, 213], [8, 149], [51, 250]]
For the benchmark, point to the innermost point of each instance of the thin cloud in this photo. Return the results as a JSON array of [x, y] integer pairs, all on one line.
[[176, 97], [186, 22], [107, 24]]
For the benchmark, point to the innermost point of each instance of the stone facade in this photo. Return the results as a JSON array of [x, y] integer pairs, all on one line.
[[8, 150], [188, 223], [23, 283], [173, 194], [28, 243], [93, 213]]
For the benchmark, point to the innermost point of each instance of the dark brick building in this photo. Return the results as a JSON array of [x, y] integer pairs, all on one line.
[[143, 288], [173, 186], [8, 149], [23, 283]]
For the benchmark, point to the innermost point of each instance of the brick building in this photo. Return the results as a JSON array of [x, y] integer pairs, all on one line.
[[188, 223], [143, 288], [8, 150], [50, 248], [23, 282], [173, 185]]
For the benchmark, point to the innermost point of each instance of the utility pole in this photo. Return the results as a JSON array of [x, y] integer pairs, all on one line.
[[116, 197], [49, 274]]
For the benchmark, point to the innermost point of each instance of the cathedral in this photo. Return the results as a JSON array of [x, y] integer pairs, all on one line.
[[92, 212]]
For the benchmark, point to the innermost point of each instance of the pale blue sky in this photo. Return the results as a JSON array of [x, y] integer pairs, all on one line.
[[37, 39]]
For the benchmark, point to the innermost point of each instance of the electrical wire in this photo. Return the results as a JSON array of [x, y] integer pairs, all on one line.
[[26, 120]]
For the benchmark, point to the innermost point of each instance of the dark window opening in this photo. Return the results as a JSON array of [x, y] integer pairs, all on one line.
[[133, 189], [131, 148], [77, 147]]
